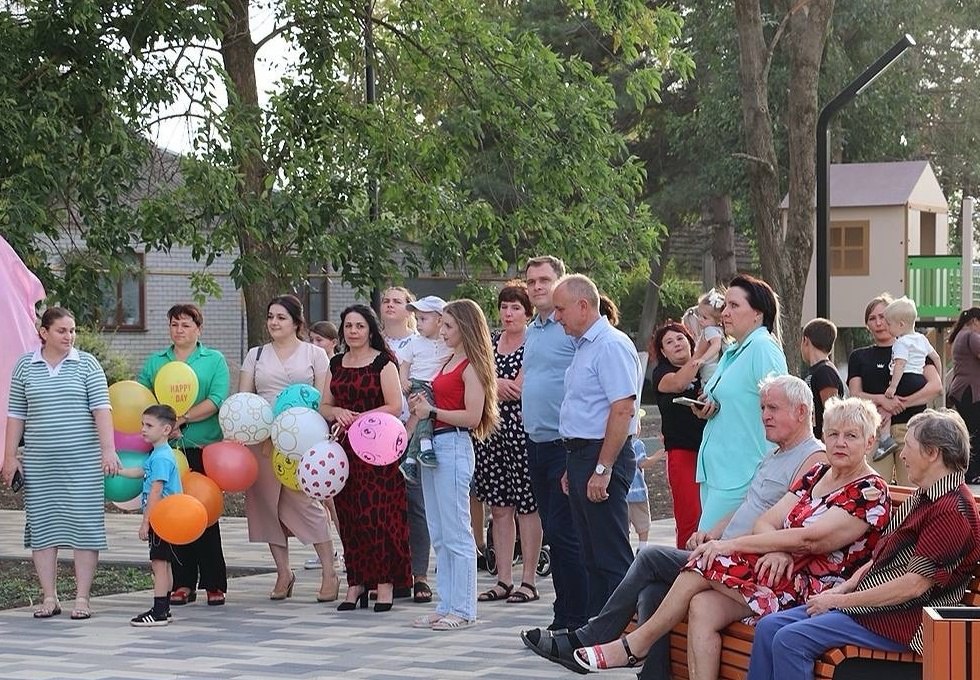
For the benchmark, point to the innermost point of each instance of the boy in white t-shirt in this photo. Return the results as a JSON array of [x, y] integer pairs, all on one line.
[[423, 358], [909, 355]]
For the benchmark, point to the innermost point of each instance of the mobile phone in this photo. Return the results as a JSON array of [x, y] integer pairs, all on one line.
[[687, 401], [17, 483]]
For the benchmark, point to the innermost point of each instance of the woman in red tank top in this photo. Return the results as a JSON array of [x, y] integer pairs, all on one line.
[[465, 396]]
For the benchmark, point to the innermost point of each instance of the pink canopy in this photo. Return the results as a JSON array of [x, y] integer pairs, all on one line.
[[20, 291]]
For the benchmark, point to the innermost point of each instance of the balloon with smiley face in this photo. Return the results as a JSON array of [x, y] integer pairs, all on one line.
[[378, 438]]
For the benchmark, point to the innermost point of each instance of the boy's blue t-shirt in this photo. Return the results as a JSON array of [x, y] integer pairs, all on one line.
[[161, 466], [638, 489]]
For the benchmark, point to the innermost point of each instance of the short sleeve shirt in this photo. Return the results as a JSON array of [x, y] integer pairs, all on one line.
[[548, 351], [822, 375], [638, 488], [914, 348], [870, 364], [681, 428], [161, 466], [604, 369], [427, 357]]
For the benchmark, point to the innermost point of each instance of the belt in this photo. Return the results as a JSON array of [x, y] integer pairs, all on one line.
[[444, 430], [575, 443]]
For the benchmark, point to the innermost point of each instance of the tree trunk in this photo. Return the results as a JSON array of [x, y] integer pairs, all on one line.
[[782, 252], [244, 116], [716, 214], [651, 300]]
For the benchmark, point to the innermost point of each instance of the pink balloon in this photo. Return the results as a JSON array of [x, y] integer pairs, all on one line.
[[378, 438], [131, 442], [323, 470]]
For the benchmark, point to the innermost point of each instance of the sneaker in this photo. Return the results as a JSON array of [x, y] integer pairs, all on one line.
[[886, 447], [150, 618], [427, 458], [312, 563], [410, 471]]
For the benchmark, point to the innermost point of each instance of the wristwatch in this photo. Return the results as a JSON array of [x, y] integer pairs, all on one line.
[[601, 469]]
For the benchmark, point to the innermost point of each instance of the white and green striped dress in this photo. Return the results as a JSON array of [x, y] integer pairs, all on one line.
[[63, 480]]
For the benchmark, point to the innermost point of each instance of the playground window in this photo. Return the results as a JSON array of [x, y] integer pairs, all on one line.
[[849, 248]]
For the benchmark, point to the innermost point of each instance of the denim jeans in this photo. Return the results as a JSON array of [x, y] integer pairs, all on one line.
[[418, 530], [603, 527], [791, 641], [546, 463], [446, 488], [642, 590]]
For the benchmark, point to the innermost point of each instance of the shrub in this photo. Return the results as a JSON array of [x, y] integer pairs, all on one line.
[[115, 365]]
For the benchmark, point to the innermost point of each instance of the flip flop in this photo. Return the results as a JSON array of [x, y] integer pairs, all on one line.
[[421, 592]]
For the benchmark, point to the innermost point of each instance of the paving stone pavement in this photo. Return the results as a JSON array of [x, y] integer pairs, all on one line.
[[254, 638]]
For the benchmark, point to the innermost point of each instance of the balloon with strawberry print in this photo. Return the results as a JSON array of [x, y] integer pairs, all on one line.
[[323, 470]]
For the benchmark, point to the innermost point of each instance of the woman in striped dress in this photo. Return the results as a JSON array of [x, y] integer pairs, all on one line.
[[59, 403]]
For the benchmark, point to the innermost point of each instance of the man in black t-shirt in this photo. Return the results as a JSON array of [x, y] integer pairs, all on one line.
[[816, 347]]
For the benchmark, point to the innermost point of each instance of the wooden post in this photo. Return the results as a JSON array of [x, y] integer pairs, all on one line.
[[966, 239]]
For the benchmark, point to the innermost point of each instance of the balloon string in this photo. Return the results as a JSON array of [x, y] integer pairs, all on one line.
[[338, 433]]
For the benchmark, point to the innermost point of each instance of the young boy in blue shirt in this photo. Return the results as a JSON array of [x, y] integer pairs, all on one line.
[[160, 479]]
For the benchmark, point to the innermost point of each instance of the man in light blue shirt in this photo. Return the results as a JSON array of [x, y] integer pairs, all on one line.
[[548, 351], [597, 415]]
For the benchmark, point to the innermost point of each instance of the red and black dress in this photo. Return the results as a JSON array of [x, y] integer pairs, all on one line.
[[372, 507]]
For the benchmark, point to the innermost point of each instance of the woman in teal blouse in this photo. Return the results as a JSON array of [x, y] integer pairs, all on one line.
[[734, 439]]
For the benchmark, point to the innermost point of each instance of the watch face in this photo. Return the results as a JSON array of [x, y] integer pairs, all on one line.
[[600, 469]]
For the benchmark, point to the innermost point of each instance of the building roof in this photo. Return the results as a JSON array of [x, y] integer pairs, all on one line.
[[880, 184]]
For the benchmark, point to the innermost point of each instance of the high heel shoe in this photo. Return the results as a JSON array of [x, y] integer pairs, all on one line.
[[331, 594], [361, 601], [283, 594], [382, 606]]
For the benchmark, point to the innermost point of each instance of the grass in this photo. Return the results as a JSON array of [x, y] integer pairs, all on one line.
[[19, 586]]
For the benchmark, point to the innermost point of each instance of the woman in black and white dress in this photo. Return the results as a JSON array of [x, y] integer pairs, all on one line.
[[502, 477]]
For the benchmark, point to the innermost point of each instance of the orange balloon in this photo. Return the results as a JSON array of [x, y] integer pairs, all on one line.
[[231, 465], [179, 519], [205, 490]]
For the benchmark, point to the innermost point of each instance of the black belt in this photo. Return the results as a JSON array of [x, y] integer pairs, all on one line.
[[575, 443], [444, 430]]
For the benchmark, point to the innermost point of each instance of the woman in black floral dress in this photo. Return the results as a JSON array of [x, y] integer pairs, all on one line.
[[502, 478]]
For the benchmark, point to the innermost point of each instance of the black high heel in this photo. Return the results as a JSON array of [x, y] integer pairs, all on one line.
[[382, 606], [361, 602]]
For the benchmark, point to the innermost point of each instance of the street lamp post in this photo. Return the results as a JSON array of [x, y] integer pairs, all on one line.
[[856, 87]]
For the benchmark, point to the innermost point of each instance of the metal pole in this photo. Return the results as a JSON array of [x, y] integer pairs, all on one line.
[[966, 244], [856, 87]]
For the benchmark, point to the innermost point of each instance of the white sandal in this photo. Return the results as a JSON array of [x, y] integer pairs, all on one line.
[[426, 620], [452, 622]]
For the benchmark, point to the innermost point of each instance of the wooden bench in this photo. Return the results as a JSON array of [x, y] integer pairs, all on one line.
[[737, 638]]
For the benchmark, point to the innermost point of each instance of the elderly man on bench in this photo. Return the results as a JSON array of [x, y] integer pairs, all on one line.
[[787, 407], [930, 549]]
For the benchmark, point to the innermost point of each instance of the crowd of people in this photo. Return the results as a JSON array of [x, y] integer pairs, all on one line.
[[779, 484]]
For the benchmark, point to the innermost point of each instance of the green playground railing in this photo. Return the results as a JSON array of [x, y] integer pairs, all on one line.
[[935, 282]]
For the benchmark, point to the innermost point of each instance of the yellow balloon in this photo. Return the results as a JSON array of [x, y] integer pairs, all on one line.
[[129, 399], [285, 468], [176, 385], [183, 467]]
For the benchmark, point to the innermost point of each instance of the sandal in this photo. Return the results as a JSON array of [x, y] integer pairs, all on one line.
[[50, 607], [82, 610], [183, 595], [421, 592], [493, 594], [520, 596], [426, 620], [452, 622], [555, 647], [593, 658], [216, 598]]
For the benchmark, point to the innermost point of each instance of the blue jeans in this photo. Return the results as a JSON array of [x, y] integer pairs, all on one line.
[[791, 642], [447, 511], [603, 527], [546, 462]]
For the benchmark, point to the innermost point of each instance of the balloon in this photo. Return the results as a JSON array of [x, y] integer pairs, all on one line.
[[179, 519], [205, 490], [129, 399], [183, 467], [285, 469], [231, 465], [298, 428], [176, 385], [131, 442], [130, 506], [245, 417], [120, 489], [377, 438], [299, 394], [324, 470]]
